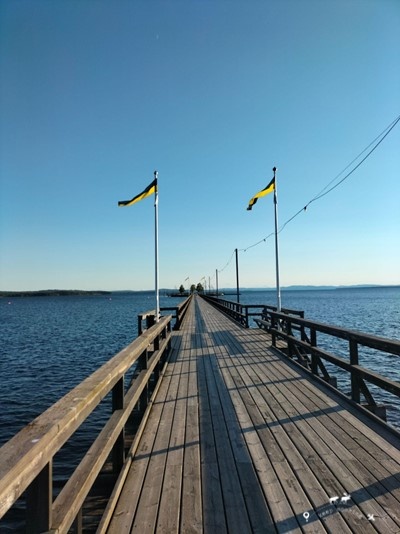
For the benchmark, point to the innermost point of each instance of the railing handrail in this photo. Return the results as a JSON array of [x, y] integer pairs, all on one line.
[[24, 457], [180, 310], [233, 309], [368, 340], [282, 326], [240, 312]]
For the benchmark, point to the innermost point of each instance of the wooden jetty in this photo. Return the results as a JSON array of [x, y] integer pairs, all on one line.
[[238, 435]]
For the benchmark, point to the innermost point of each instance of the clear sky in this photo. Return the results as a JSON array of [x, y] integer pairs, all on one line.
[[95, 95]]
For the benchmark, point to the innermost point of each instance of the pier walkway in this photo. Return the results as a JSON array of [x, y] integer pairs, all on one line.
[[241, 440]]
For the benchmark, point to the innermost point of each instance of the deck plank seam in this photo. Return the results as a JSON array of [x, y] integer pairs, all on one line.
[[298, 449]]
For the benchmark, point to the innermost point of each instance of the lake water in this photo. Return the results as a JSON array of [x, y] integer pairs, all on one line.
[[50, 344]]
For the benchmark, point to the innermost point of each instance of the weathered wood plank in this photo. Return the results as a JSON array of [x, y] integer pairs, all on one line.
[[290, 411], [355, 462], [170, 501], [282, 399], [146, 516], [243, 442], [234, 502], [126, 508], [213, 505], [113, 500], [283, 508], [191, 507]]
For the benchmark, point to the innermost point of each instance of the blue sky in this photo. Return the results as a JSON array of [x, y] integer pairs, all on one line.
[[96, 95]]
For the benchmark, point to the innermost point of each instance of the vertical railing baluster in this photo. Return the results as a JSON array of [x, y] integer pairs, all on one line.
[[39, 497], [165, 354], [273, 326], [157, 369], [355, 377], [314, 358], [144, 397], [118, 451], [77, 525], [289, 333], [140, 331]]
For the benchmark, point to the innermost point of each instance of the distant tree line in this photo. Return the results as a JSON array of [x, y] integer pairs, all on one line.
[[193, 288], [51, 293]]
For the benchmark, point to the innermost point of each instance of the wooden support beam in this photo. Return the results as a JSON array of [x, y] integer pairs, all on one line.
[[39, 502]]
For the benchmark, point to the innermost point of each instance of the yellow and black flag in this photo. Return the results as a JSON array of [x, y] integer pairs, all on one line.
[[150, 190], [270, 187]]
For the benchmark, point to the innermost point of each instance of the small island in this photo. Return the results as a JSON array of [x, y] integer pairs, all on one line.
[[52, 293]]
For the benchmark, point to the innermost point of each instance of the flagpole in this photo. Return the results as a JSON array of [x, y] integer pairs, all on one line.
[[237, 275], [278, 289], [156, 247]]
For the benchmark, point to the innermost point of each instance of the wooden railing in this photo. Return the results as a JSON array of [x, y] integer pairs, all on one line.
[[147, 319], [300, 336], [26, 460], [242, 313]]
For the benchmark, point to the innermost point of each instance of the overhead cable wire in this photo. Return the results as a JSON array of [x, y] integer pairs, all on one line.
[[228, 262], [387, 130], [325, 191]]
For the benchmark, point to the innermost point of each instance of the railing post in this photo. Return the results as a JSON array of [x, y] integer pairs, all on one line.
[[39, 497], [157, 369], [118, 451], [167, 331], [273, 325], [290, 342], [314, 363], [177, 324], [150, 320], [144, 397], [157, 340], [355, 379], [77, 525]]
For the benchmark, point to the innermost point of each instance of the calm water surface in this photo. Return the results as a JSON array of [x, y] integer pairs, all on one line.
[[48, 345]]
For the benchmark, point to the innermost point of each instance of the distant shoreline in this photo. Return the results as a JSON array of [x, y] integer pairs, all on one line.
[[52, 293], [169, 292], [321, 288]]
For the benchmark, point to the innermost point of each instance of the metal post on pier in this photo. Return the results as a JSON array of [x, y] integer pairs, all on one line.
[[156, 247], [278, 289], [237, 275], [272, 186]]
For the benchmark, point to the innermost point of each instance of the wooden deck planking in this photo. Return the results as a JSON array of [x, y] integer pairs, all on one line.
[[240, 440], [356, 463], [128, 502], [308, 431], [318, 439], [317, 458], [284, 457], [213, 506], [285, 494], [191, 507]]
